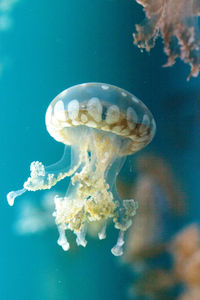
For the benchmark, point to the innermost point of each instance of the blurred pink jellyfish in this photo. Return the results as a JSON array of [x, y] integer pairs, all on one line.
[[102, 124], [176, 21]]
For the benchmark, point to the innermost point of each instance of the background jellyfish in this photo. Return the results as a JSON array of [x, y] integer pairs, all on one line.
[[6, 23], [6, 8], [184, 273], [162, 207], [35, 217], [165, 260], [176, 21], [102, 124]]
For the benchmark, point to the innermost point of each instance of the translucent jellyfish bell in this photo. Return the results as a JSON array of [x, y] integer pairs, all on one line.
[[102, 124]]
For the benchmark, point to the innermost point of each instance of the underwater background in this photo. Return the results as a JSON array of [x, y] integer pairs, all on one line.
[[46, 47]]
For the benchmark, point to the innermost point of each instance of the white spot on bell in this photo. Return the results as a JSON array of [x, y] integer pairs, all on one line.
[[73, 109], [135, 99], [105, 87], [113, 114], [94, 108], [124, 94], [59, 111], [146, 120], [131, 115]]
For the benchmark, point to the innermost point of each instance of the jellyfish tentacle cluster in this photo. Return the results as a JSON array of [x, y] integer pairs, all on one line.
[[176, 22], [102, 124]]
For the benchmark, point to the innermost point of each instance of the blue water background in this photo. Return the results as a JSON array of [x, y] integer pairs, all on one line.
[[51, 46]]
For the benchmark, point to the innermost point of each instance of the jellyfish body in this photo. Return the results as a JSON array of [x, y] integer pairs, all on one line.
[[102, 124]]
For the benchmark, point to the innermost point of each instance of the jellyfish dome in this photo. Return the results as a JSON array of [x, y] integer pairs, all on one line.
[[102, 124]]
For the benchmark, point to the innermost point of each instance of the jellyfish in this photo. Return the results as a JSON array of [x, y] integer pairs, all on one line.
[[102, 124], [176, 21]]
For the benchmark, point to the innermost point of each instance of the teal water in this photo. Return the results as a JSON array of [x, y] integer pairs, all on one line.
[[51, 46]]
